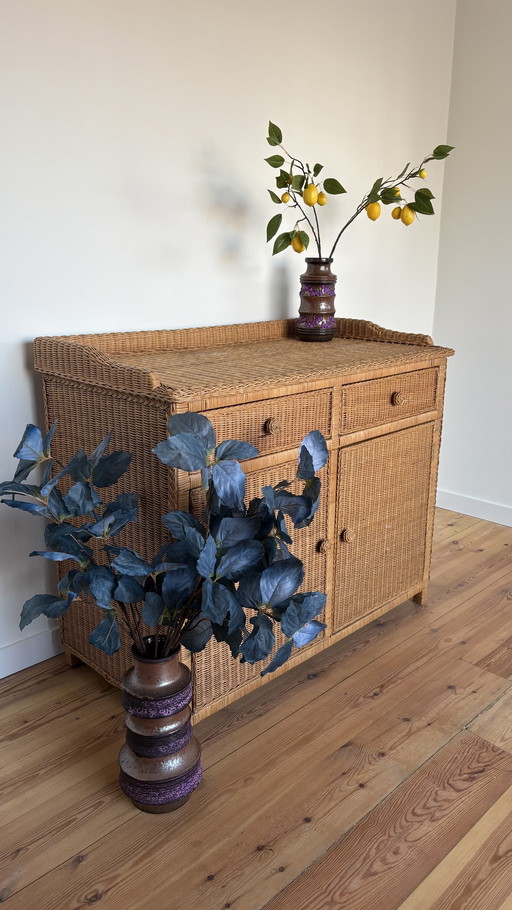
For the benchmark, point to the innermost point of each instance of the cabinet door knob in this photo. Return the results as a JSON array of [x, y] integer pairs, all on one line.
[[397, 398], [272, 426], [324, 546], [347, 535]]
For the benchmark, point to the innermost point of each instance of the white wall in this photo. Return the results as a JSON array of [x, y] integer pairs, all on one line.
[[474, 308], [133, 145]]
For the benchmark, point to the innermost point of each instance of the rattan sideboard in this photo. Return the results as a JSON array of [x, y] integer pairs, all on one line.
[[376, 395]]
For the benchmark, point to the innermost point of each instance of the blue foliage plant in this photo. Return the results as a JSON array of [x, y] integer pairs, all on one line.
[[208, 578]]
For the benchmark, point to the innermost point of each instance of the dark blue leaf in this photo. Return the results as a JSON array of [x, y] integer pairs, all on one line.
[[239, 559], [231, 531], [218, 602], [100, 450], [206, 562], [57, 505], [52, 556], [101, 583], [269, 498], [233, 450], [47, 472], [23, 489], [56, 534], [24, 469], [178, 586], [41, 604], [106, 635], [248, 591], [195, 424], [121, 518], [279, 658], [124, 502], [236, 617], [52, 482], [81, 499], [206, 476], [127, 562], [229, 483], [79, 467], [184, 451], [261, 640], [308, 633], [198, 634], [152, 609], [176, 522], [27, 507], [302, 608], [306, 469], [281, 580], [101, 528], [48, 438], [297, 507], [31, 446], [194, 541], [110, 468], [312, 493], [73, 582], [233, 640], [178, 552], [128, 590], [317, 447]]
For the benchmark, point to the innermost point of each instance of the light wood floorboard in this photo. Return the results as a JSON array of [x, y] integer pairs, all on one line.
[[376, 775]]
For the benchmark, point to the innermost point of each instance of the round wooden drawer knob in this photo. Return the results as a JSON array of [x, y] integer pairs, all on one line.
[[397, 398], [324, 546], [347, 535], [272, 426]]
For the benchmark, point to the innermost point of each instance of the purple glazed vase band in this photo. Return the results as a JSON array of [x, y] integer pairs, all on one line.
[[158, 746], [312, 321], [157, 707], [317, 290], [159, 793]]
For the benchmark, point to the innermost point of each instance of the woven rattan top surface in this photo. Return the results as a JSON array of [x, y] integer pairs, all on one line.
[[286, 362], [224, 361]]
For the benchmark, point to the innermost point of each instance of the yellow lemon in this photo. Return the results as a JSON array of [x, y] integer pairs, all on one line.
[[407, 215], [396, 190], [422, 173], [396, 213], [310, 194], [285, 197], [373, 210], [297, 244], [322, 199]]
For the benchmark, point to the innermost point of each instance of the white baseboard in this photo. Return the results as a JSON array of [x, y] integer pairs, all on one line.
[[478, 508], [30, 650]]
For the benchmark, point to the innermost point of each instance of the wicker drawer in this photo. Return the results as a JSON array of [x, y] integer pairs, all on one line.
[[379, 401], [276, 424]]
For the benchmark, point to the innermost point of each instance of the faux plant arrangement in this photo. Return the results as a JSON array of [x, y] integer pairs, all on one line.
[[199, 584], [304, 192]]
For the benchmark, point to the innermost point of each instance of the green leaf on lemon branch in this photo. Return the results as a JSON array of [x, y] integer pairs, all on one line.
[[274, 197], [304, 238], [422, 204], [401, 174], [442, 151], [333, 186], [298, 182], [273, 226], [316, 170], [275, 136], [281, 243], [275, 160]]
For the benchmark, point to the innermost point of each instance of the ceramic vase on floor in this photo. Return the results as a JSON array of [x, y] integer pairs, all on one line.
[[317, 295], [160, 760]]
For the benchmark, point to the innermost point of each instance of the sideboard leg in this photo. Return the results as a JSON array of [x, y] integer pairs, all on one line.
[[71, 659], [421, 597]]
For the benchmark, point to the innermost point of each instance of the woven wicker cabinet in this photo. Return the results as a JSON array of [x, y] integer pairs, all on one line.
[[377, 397]]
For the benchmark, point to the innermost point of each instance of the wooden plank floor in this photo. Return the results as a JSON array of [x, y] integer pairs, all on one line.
[[376, 775]]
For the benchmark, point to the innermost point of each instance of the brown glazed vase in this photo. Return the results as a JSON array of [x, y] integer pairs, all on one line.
[[317, 294], [160, 760]]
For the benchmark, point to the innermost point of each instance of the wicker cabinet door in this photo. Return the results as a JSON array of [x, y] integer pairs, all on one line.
[[382, 509], [216, 673]]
